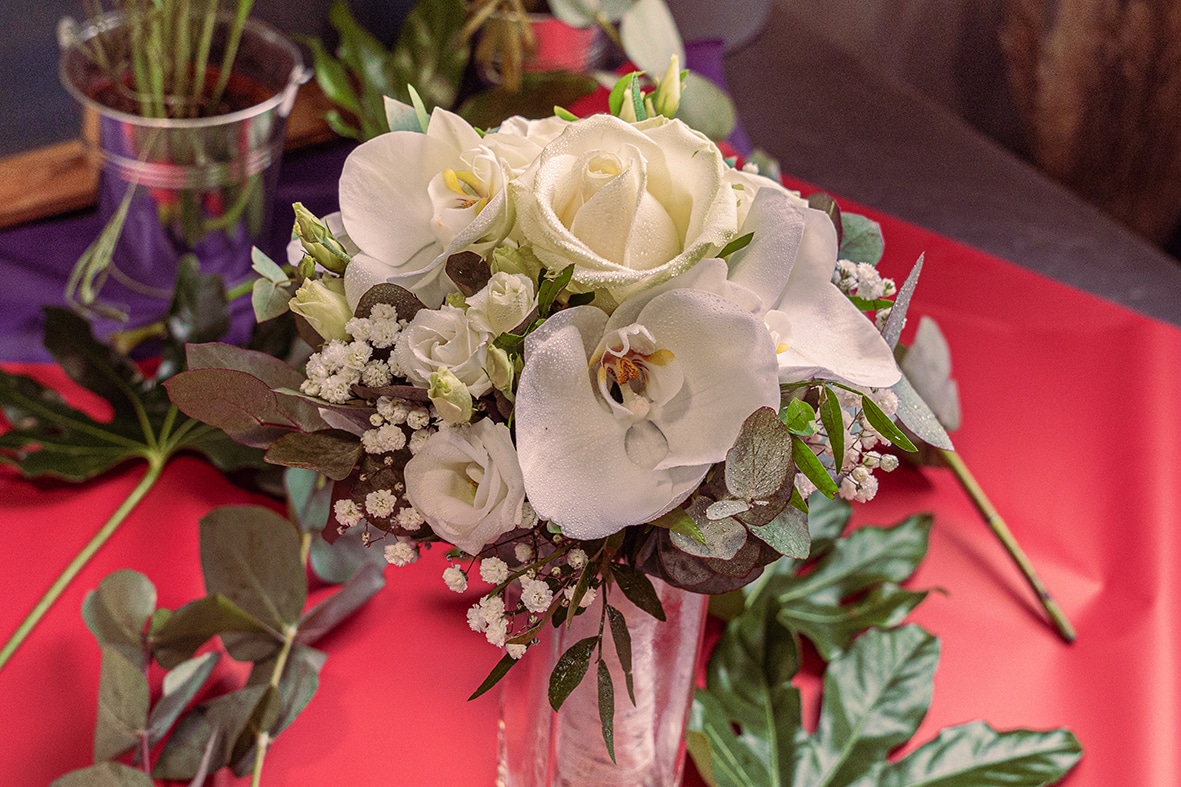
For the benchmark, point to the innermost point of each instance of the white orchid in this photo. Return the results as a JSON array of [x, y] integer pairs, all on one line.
[[818, 332], [619, 417], [409, 200]]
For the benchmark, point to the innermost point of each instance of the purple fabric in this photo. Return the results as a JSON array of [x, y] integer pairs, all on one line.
[[36, 258], [705, 56]]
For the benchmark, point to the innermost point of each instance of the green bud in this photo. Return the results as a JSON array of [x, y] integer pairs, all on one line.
[[322, 303], [450, 397], [318, 241], [667, 96], [500, 370]]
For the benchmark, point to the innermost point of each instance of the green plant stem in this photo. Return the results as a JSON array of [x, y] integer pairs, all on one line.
[[264, 737], [155, 468], [997, 524]]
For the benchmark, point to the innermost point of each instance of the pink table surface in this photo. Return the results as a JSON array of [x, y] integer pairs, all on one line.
[[1071, 409]]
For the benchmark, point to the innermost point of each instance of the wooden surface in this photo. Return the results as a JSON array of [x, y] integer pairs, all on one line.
[[63, 177]]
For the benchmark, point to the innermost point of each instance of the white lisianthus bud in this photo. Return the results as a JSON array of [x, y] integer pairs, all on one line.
[[318, 241], [667, 96], [503, 303], [500, 370], [322, 303], [450, 397]]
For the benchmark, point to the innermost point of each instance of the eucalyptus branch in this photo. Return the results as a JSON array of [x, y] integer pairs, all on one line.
[[994, 521], [264, 737]]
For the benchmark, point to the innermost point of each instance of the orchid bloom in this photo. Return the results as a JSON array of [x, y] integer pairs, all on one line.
[[619, 417]]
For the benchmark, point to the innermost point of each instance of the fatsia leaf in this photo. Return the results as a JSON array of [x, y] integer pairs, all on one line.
[[198, 313], [975, 755], [122, 706], [181, 684], [117, 611], [251, 555], [831, 627], [875, 695], [105, 774]]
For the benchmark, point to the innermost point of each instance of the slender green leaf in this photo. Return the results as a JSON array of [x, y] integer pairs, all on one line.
[[799, 418], [884, 426], [738, 244], [501, 669], [833, 419], [569, 671], [638, 589], [623, 647], [809, 465], [607, 708]]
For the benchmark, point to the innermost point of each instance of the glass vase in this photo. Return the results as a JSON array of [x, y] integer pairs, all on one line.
[[195, 185], [539, 747]]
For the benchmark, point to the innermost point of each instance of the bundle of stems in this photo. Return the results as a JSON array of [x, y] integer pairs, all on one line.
[[160, 59]]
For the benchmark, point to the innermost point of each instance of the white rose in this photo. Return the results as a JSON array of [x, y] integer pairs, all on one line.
[[443, 337], [467, 483], [629, 205], [503, 303]]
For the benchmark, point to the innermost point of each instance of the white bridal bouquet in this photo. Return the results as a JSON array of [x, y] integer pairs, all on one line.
[[583, 352]]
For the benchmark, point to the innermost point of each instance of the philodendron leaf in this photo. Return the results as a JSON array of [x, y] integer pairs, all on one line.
[[117, 611], [105, 774], [569, 670], [198, 313], [181, 684], [861, 239], [760, 458], [875, 695], [251, 555], [123, 700], [975, 755], [191, 626]]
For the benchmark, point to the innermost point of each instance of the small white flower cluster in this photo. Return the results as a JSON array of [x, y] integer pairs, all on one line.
[[379, 504], [537, 587], [339, 365], [388, 434], [855, 478], [402, 552], [863, 280]]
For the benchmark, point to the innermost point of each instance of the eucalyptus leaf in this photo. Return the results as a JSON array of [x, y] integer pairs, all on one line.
[[297, 684], [892, 331], [761, 457], [723, 537], [975, 755], [268, 300], [329, 613], [705, 107], [105, 774], [916, 415], [333, 452], [405, 303], [469, 271], [251, 555], [181, 685], [569, 671], [345, 556], [649, 35], [225, 716], [265, 267], [927, 367], [309, 499], [123, 700], [262, 718], [117, 611], [191, 626], [787, 533], [861, 239]]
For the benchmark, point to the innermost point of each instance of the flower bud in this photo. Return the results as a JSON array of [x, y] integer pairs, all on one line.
[[504, 302], [667, 96], [322, 303], [450, 397], [500, 370], [318, 241]]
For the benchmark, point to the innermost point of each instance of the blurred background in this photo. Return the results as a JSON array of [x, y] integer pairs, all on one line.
[[1087, 91]]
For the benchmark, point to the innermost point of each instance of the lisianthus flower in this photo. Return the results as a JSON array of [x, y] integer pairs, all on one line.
[[467, 484], [630, 205], [409, 200], [618, 418], [818, 332]]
